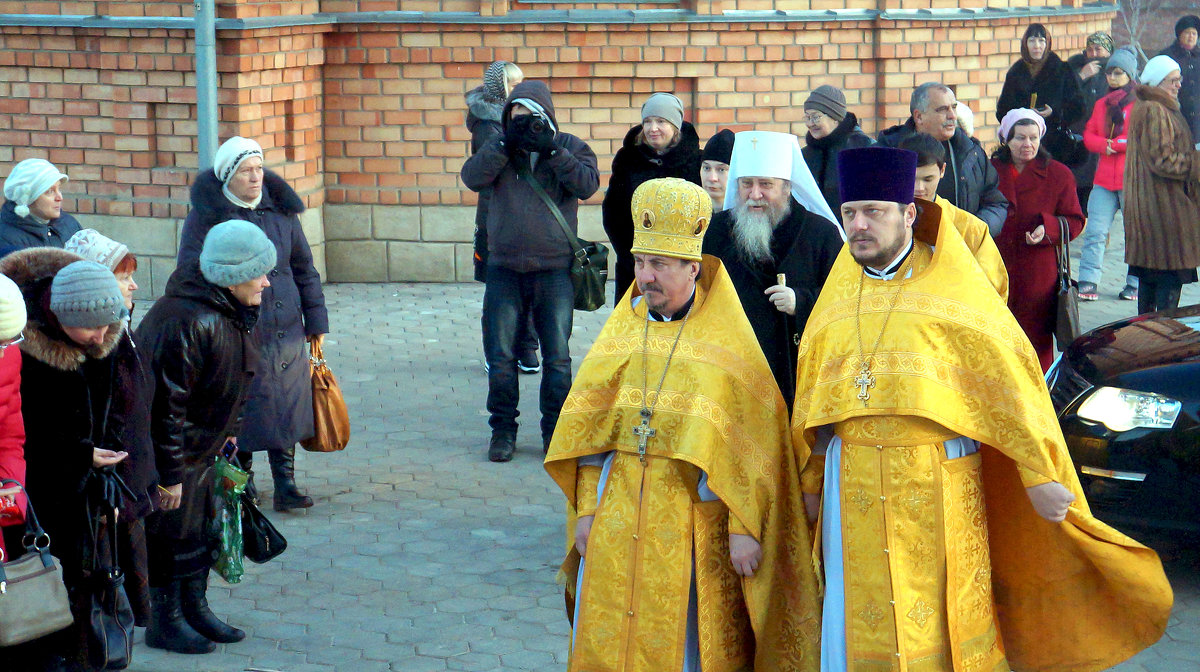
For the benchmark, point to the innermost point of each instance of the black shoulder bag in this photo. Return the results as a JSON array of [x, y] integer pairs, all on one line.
[[589, 268], [110, 619]]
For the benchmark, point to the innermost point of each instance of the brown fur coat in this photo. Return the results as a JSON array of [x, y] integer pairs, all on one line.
[[1162, 186]]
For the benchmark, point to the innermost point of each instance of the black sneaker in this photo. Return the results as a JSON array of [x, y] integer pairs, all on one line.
[[528, 362], [502, 447]]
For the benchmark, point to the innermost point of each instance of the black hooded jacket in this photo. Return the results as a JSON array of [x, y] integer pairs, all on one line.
[[634, 164], [483, 121], [522, 233], [821, 156]]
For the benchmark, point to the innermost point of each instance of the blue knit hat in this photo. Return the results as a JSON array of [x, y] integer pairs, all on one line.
[[234, 252], [85, 294], [877, 174]]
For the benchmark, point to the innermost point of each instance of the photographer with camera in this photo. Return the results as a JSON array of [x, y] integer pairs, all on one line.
[[529, 256]]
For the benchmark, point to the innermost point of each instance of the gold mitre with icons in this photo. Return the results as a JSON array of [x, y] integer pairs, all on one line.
[[670, 217]]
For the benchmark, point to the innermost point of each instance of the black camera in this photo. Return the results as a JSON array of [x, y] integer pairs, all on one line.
[[538, 125]]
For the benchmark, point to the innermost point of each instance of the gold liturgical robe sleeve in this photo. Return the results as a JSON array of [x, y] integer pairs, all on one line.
[[719, 411], [1070, 597]]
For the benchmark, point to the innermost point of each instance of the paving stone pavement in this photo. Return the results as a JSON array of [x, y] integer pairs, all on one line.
[[422, 556]]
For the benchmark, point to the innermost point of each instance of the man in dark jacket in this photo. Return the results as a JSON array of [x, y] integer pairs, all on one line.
[[1186, 53], [32, 213], [529, 254], [202, 360], [971, 182], [770, 229]]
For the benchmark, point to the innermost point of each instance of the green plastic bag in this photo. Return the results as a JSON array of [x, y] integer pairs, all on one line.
[[231, 481]]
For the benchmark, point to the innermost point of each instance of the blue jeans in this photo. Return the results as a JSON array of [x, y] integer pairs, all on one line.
[[1102, 208], [551, 300]]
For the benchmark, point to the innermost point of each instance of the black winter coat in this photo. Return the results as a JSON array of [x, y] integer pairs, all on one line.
[[1189, 94], [279, 409], [202, 360], [971, 182], [1092, 89], [1055, 85], [634, 164], [483, 121], [821, 156], [523, 235], [804, 247], [69, 403], [134, 386], [18, 233]]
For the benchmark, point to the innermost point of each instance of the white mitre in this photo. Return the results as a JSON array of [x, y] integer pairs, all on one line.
[[771, 154]]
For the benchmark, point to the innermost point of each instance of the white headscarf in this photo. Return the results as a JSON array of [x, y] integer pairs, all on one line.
[[28, 181], [777, 155]]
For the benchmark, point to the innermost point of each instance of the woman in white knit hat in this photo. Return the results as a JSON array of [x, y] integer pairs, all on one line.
[[132, 381], [32, 213], [279, 410]]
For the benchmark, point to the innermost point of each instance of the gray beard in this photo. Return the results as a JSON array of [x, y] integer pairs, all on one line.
[[753, 231]]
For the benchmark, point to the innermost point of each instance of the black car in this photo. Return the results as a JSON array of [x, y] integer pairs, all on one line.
[[1128, 398]]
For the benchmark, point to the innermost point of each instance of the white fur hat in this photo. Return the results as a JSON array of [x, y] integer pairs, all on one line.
[[28, 181]]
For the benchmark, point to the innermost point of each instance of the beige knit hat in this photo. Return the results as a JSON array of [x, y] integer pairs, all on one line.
[[95, 246], [12, 309]]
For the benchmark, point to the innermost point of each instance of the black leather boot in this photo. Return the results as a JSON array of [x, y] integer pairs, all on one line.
[[168, 630], [194, 603], [246, 459], [283, 471]]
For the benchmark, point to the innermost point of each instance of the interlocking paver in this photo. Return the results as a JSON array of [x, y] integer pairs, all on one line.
[[422, 556]]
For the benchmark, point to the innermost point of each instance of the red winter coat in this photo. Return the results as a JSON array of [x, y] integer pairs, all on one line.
[[12, 427], [1110, 172], [1037, 196]]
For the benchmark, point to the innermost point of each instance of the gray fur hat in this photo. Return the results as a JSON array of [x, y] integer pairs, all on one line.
[[234, 252], [85, 294]]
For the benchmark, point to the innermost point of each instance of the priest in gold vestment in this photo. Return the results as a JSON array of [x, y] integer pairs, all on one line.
[[953, 531], [689, 548]]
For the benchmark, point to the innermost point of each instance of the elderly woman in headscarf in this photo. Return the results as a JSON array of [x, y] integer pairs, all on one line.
[[1043, 82], [1040, 193], [32, 213], [1162, 190], [279, 409]]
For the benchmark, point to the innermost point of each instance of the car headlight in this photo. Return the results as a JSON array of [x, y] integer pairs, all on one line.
[[1121, 410]]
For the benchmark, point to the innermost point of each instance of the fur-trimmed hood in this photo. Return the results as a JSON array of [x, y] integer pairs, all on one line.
[[481, 108], [277, 195], [33, 270]]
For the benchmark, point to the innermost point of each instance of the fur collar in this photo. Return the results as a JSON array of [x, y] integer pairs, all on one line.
[[1154, 94], [277, 195], [31, 268], [481, 107]]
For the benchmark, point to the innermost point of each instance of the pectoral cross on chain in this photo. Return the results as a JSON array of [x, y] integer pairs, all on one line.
[[753, 143], [864, 381], [644, 433]]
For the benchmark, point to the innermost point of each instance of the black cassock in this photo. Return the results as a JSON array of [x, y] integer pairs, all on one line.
[[803, 248]]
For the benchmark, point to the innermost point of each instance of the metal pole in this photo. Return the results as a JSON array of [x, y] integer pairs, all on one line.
[[206, 81]]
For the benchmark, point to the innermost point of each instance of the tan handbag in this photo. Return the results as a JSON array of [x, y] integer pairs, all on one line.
[[331, 420], [33, 598]]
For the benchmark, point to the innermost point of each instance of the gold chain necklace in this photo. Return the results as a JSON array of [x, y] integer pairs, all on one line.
[[643, 430], [866, 379]]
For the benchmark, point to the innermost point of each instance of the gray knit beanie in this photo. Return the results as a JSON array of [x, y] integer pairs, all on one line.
[[234, 252], [1126, 60], [85, 294], [827, 99], [664, 105]]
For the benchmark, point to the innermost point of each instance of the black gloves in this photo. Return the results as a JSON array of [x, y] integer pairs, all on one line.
[[531, 133]]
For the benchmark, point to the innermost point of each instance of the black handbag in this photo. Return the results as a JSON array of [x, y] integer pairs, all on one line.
[[589, 268], [261, 540], [110, 618], [33, 597], [1065, 145], [1066, 325]]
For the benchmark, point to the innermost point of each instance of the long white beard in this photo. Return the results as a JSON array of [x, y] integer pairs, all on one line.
[[753, 230]]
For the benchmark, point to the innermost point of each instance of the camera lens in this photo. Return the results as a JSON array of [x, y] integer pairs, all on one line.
[[537, 126]]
